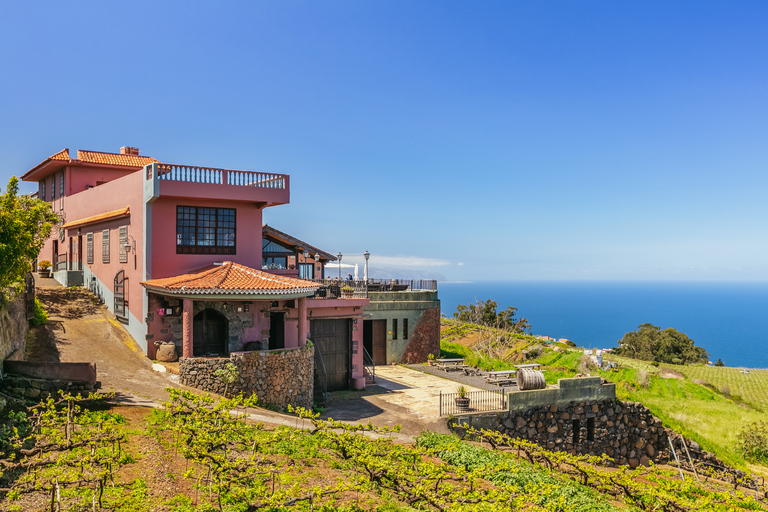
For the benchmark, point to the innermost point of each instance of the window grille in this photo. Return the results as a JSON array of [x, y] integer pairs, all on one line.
[[202, 230]]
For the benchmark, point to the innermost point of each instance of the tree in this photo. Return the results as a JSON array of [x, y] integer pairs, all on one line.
[[719, 362], [484, 313], [650, 343], [25, 225]]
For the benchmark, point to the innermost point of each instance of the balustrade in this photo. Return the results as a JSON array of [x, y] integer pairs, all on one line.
[[209, 175]]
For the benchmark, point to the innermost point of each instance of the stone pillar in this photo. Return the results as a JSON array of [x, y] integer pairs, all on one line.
[[303, 322], [186, 321]]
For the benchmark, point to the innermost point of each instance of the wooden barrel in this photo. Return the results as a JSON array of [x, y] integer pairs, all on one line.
[[530, 379]]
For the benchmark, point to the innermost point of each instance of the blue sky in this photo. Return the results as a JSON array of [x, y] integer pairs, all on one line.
[[474, 140]]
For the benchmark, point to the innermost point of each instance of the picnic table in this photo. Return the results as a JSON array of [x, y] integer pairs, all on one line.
[[451, 364], [529, 365], [501, 377]]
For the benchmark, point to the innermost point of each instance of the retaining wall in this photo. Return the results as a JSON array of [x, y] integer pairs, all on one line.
[[276, 377], [13, 329]]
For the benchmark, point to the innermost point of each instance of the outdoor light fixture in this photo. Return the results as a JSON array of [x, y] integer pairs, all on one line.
[[130, 243], [306, 254], [366, 255], [317, 258]]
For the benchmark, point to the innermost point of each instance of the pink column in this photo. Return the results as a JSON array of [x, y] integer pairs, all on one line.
[[303, 322], [186, 320]]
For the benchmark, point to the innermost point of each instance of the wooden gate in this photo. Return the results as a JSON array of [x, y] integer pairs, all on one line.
[[121, 302], [29, 295], [333, 339]]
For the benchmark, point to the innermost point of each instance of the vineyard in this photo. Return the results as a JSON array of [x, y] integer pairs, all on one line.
[[751, 387], [71, 454]]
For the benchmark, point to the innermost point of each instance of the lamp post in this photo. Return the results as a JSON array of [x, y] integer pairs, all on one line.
[[317, 260], [338, 256], [367, 255]]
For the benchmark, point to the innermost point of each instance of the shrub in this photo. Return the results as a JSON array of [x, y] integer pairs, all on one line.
[[41, 315], [753, 440]]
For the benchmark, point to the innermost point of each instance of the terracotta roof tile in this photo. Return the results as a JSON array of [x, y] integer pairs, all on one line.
[[96, 157], [115, 214], [61, 155], [229, 278]]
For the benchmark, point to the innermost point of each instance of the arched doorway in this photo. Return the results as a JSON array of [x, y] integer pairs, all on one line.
[[210, 334]]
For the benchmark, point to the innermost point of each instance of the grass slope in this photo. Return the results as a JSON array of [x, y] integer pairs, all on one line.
[[710, 405]]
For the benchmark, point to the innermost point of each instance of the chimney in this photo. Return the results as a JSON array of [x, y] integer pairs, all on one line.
[[127, 150]]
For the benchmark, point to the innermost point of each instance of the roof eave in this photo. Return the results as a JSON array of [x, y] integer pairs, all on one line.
[[43, 169], [229, 295]]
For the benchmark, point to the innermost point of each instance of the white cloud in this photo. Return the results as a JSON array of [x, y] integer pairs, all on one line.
[[407, 261], [461, 263]]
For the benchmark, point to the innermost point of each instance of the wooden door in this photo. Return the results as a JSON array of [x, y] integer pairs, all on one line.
[[375, 340], [333, 339], [209, 334], [379, 333], [276, 331]]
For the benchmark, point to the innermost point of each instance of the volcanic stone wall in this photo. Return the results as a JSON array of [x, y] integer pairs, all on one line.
[[627, 432], [276, 377], [13, 328], [425, 339]]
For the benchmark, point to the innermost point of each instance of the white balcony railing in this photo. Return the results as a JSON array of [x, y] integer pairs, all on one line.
[[191, 174]]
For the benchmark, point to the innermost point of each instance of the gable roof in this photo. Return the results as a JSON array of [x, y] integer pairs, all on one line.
[[229, 278], [290, 241], [58, 160]]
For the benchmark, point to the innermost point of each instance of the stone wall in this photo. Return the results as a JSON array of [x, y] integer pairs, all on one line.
[[32, 388], [276, 377], [627, 432], [13, 329], [425, 339]]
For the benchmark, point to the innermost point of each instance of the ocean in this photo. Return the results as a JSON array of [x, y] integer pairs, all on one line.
[[728, 319]]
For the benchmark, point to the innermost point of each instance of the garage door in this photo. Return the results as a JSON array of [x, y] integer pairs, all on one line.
[[332, 338]]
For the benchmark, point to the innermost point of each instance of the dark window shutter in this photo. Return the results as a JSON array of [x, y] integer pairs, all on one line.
[[89, 248], [105, 246]]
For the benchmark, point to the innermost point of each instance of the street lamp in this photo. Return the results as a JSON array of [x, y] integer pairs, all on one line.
[[338, 256], [367, 255]]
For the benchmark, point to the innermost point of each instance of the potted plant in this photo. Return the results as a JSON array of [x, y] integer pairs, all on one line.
[[462, 400], [347, 291], [44, 268], [431, 359]]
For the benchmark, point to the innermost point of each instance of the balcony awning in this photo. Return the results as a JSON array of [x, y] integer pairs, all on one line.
[[231, 280], [102, 217]]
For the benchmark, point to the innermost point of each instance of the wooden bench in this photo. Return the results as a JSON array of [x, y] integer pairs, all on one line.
[[501, 378], [450, 364]]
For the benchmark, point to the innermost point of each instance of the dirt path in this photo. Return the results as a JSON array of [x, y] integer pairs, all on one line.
[[79, 328]]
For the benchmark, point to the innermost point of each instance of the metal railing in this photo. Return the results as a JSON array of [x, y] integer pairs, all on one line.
[[335, 289], [210, 175], [368, 364], [398, 285], [359, 288], [479, 401]]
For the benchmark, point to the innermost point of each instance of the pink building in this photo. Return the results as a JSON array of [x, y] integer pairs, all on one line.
[[176, 253]]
